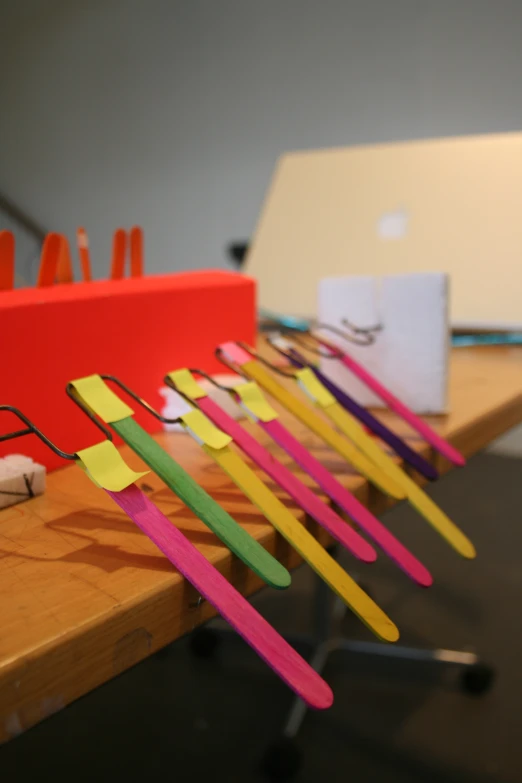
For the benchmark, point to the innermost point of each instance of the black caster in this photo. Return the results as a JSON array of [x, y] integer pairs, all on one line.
[[282, 760], [204, 643], [477, 679]]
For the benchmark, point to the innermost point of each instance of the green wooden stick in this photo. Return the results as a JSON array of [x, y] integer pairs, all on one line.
[[216, 518]]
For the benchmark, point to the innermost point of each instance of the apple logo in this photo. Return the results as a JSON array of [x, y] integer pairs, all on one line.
[[393, 225]]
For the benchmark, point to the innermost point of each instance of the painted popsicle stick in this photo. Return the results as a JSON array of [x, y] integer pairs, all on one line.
[[398, 407], [216, 443], [106, 468], [325, 565], [289, 527], [211, 513], [309, 418], [230, 604], [417, 497], [368, 419], [349, 503], [279, 473], [7, 260], [108, 406]]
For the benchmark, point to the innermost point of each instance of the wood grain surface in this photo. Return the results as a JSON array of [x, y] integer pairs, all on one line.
[[85, 595]]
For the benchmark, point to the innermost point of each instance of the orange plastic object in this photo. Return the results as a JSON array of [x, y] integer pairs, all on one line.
[[7, 258], [136, 251], [83, 251], [64, 271], [132, 328], [119, 249], [49, 260]]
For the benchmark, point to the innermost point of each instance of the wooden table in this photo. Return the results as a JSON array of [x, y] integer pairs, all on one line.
[[84, 595]]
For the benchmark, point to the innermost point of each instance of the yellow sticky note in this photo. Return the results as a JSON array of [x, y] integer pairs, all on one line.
[[100, 399], [312, 386], [254, 401], [184, 381], [204, 431], [105, 465]]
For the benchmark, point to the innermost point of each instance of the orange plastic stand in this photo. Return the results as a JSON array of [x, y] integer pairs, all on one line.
[[129, 328]]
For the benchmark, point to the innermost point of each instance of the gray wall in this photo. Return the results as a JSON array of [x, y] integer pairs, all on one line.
[[172, 114]]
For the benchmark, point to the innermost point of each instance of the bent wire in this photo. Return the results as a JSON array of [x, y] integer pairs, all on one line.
[[105, 466], [93, 393]]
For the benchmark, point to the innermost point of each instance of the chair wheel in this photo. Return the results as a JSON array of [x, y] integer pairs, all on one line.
[[477, 679], [282, 760], [204, 643]]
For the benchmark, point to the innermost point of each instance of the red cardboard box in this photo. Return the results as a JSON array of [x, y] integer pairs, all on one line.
[[137, 329]]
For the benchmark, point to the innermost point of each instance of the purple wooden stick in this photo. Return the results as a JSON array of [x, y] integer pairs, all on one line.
[[397, 444]]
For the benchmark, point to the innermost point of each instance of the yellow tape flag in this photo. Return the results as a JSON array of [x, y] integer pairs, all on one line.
[[107, 468], [184, 381], [101, 400], [254, 402], [204, 431], [313, 388]]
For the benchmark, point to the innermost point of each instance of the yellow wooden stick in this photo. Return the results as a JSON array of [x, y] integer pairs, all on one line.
[[342, 446], [304, 543], [350, 427], [216, 444]]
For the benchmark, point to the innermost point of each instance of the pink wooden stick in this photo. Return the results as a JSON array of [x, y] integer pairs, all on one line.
[[231, 605], [424, 429], [345, 500], [306, 498]]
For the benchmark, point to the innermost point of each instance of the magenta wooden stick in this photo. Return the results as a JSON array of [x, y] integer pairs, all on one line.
[[349, 503], [230, 604], [398, 407], [304, 496]]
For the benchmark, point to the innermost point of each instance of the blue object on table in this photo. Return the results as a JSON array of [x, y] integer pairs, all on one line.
[[465, 340], [288, 321]]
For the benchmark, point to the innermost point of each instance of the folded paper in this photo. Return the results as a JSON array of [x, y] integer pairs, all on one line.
[[101, 400], [254, 402], [202, 429], [105, 465], [185, 382]]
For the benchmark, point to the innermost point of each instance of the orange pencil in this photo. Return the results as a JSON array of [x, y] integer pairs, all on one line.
[[51, 250], [119, 248], [7, 258], [136, 251], [64, 270], [82, 242]]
